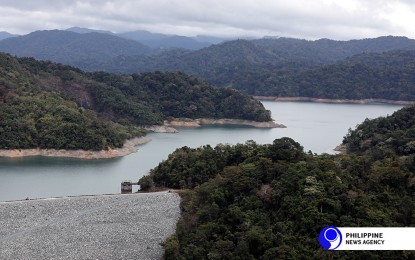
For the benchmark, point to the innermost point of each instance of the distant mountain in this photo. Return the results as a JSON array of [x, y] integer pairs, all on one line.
[[389, 59], [72, 48], [270, 66], [388, 75], [5, 35], [142, 35], [213, 39], [272, 54], [86, 30], [259, 67], [175, 41], [153, 40], [211, 63], [325, 51], [157, 40]]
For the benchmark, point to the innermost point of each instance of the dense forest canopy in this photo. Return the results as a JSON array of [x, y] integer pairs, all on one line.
[[384, 136], [49, 105], [176, 94], [251, 201], [284, 67]]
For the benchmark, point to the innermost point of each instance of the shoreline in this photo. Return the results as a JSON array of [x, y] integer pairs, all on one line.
[[160, 129], [130, 145], [128, 148], [334, 101], [224, 121]]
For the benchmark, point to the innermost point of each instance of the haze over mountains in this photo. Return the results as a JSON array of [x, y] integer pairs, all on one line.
[[159, 40], [5, 35], [72, 48], [270, 66], [153, 40]]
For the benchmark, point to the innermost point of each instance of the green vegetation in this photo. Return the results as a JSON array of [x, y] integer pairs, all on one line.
[[385, 136], [176, 94], [251, 201], [48, 121], [32, 115], [295, 68], [373, 68], [358, 69], [285, 67], [387, 75], [383, 76], [48, 105]]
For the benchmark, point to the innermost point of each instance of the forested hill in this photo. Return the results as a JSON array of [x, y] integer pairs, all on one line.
[[388, 75], [385, 136], [266, 55], [266, 67], [251, 201], [48, 105], [72, 48], [108, 52]]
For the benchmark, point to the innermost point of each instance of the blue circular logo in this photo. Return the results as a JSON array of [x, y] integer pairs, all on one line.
[[330, 238]]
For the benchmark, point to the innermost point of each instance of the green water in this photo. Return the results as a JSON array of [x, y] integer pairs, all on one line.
[[318, 127]]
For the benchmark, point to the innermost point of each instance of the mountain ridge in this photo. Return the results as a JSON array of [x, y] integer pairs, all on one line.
[[153, 40], [70, 47], [5, 35], [281, 67]]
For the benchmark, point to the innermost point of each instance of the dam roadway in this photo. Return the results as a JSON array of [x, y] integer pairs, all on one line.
[[132, 226]]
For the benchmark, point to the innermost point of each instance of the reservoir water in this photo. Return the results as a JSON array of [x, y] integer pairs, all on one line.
[[316, 126]]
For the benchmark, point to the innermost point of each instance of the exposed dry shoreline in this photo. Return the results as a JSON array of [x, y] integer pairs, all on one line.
[[128, 148], [160, 129], [337, 101], [225, 121], [130, 145]]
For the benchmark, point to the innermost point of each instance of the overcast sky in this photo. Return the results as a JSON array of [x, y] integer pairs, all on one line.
[[308, 19]]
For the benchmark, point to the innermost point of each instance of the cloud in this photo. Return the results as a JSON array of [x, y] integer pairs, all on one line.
[[336, 19]]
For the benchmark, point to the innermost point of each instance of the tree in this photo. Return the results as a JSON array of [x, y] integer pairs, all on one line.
[[146, 183]]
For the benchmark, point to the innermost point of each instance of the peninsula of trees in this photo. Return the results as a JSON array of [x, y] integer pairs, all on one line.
[[384, 136], [49, 105], [251, 201]]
